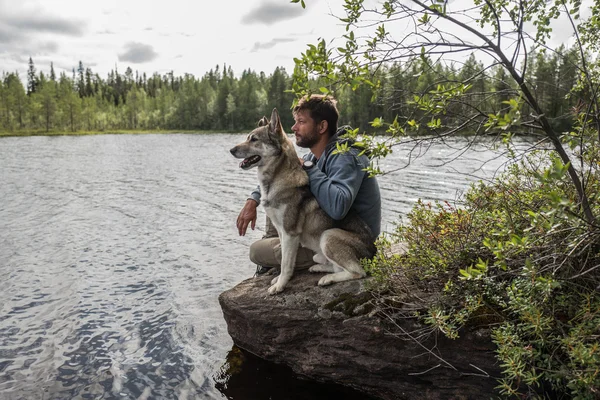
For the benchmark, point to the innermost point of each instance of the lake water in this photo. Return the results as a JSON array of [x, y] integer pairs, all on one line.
[[114, 249]]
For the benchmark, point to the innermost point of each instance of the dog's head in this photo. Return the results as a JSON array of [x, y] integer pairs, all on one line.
[[263, 143]]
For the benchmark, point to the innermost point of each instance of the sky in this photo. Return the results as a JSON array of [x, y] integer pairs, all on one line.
[[183, 36]]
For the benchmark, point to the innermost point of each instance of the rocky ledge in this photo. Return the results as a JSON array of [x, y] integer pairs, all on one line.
[[330, 334]]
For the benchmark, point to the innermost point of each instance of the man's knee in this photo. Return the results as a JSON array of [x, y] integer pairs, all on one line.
[[262, 252]]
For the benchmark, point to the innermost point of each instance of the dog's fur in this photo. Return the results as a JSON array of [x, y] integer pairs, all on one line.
[[295, 213]]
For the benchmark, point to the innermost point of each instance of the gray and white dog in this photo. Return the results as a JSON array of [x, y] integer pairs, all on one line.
[[295, 213]]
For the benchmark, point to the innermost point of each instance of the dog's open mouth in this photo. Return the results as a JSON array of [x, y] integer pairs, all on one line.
[[249, 162]]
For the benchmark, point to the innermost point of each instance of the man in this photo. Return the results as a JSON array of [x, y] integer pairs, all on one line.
[[338, 181]]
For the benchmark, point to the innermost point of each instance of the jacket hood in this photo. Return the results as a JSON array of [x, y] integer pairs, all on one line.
[[336, 138]]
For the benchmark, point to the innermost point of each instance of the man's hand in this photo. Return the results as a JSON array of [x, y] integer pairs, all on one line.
[[247, 216]]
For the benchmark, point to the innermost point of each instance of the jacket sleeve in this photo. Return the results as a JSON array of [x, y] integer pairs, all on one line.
[[337, 187], [255, 195]]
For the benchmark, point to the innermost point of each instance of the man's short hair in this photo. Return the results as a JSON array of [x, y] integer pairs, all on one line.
[[320, 108]]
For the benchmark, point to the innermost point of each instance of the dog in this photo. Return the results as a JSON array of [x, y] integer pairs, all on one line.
[[295, 213]]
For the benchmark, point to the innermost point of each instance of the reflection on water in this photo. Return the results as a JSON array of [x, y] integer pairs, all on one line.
[[245, 376], [114, 249]]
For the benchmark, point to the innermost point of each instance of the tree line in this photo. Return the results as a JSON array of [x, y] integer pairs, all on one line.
[[222, 101]]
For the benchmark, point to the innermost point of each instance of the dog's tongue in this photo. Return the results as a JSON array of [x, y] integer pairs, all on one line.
[[249, 161]]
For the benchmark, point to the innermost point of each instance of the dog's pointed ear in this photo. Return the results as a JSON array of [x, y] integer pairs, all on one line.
[[275, 123], [263, 122]]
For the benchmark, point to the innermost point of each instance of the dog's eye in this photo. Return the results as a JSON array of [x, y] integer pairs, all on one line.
[[253, 139]]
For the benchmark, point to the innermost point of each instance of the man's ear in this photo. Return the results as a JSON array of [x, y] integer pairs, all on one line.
[[323, 127], [263, 122]]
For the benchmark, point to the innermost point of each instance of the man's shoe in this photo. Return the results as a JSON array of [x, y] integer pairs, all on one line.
[[261, 270]]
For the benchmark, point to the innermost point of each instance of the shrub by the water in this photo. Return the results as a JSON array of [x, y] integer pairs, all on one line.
[[514, 257]]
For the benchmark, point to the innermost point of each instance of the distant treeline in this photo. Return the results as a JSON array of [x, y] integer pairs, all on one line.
[[224, 102]]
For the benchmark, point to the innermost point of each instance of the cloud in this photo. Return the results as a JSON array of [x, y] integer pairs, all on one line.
[[7, 36], [24, 32], [18, 58], [12, 41], [269, 13], [47, 47], [138, 53], [45, 24], [270, 44]]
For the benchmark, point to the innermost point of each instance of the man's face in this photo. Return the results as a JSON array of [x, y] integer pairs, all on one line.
[[305, 129]]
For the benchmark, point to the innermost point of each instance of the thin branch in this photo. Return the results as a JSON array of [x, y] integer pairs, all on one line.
[[426, 371]]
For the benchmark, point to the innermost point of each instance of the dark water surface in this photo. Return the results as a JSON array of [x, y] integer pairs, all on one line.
[[114, 249]]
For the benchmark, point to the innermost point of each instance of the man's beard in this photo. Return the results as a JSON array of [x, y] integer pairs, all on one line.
[[307, 141]]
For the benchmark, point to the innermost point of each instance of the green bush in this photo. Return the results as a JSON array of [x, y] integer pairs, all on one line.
[[515, 257]]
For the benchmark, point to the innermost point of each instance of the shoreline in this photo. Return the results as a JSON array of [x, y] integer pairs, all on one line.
[[27, 133], [109, 132]]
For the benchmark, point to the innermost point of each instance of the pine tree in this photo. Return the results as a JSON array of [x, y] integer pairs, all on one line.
[[17, 97], [52, 73], [89, 90], [47, 99], [70, 102], [31, 78], [81, 80]]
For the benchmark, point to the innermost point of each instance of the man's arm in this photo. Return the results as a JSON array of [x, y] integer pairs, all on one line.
[[248, 213], [337, 187]]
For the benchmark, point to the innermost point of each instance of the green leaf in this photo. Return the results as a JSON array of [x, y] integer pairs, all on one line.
[[299, 1], [377, 122]]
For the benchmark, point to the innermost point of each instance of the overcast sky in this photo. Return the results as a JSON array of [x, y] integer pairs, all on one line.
[[186, 36]]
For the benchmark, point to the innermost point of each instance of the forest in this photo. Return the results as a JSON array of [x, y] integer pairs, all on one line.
[[222, 100]]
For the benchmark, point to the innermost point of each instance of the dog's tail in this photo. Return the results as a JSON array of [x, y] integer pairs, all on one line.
[[357, 226]]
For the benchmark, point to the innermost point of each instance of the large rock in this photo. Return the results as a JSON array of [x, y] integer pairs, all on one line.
[[331, 334]]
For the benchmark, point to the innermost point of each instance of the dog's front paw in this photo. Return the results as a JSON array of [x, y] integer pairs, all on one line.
[[274, 280], [274, 289]]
